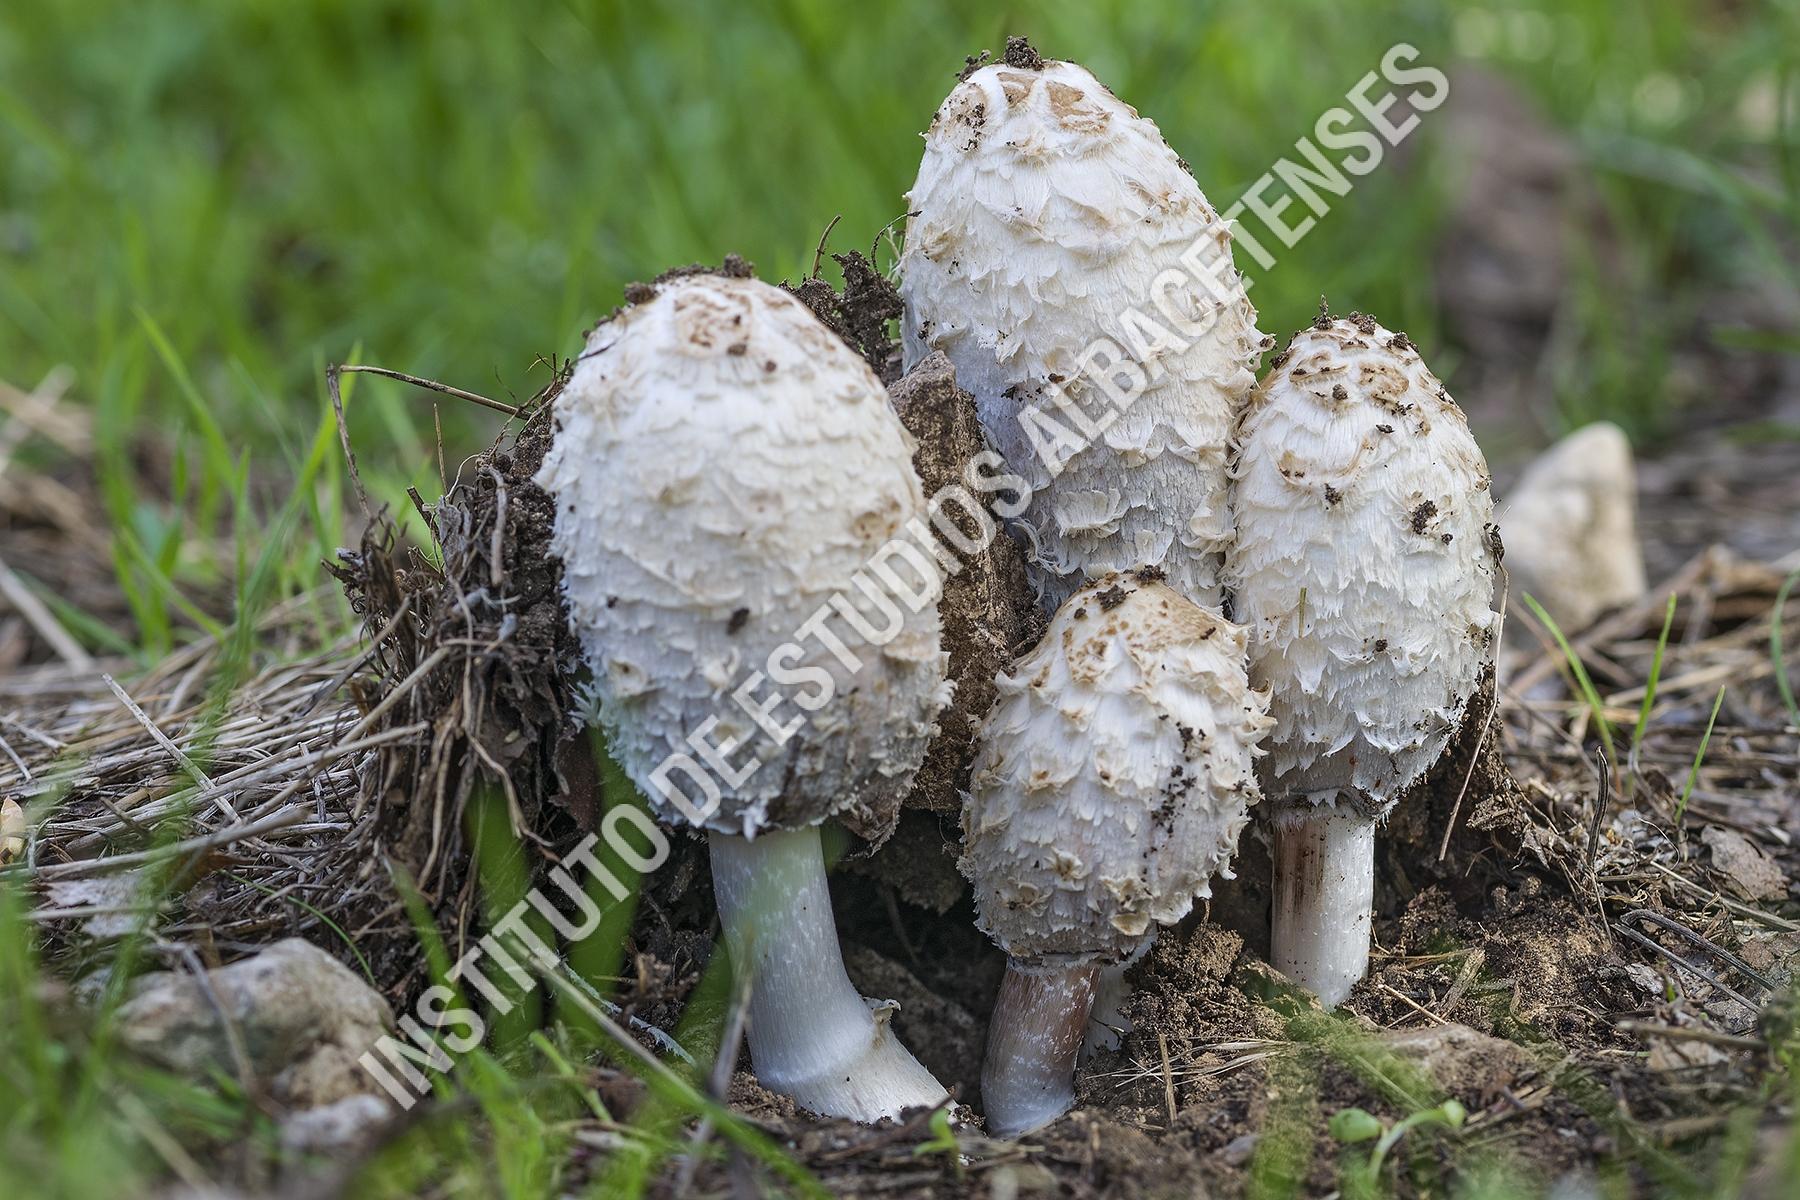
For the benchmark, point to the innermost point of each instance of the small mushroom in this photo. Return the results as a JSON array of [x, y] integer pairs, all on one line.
[[1364, 570], [1048, 216], [725, 469], [1113, 777]]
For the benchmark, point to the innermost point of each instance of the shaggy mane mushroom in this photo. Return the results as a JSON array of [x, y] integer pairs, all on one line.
[[724, 469], [1113, 778], [1364, 569], [1045, 211]]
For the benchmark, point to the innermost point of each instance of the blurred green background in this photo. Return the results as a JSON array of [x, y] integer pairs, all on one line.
[[201, 204]]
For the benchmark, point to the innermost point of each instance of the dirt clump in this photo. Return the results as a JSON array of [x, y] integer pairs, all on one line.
[[472, 646], [860, 313], [987, 607]]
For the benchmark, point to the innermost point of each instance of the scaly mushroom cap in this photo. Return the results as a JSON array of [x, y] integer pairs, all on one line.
[[1044, 209], [724, 466], [1364, 564], [1114, 775]]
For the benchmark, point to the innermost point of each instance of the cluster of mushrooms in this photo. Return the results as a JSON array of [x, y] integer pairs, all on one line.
[[1268, 599]]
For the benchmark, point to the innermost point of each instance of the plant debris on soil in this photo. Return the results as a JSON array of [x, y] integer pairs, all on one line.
[[1592, 958]]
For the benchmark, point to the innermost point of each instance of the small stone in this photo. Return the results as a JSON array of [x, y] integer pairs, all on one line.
[[1238, 1150], [1476, 1068], [1570, 527], [118, 902], [301, 1017], [1647, 978], [12, 831], [342, 1125], [1749, 872], [1669, 1055]]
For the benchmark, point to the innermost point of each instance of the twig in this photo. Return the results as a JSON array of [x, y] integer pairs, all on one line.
[[497, 546], [718, 1083], [38, 615], [1162, 1045], [195, 845], [1726, 902], [1691, 967], [431, 385], [819, 251], [1601, 803], [234, 1038], [1473, 961], [1687, 577], [1413, 1004], [1682, 1033], [19, 763], [1486, 724], [335, 390], [162, 739]]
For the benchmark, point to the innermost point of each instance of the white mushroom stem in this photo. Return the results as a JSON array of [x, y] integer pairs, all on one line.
[[811, 1035], [1040, 1018], [1324, 899]]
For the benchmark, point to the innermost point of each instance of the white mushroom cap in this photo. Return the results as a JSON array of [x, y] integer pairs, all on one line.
[[1114, 775], [1045, 208], [724, 466], [1364, 563]]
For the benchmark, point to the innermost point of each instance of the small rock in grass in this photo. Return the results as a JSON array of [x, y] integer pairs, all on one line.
[[1476, 1068], [1749, 872], [1669, 1055], [302, 1018], [1570, 527], [1237, 1152], [342, 1125]]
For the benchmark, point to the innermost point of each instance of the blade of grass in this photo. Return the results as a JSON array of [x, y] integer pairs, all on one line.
[[664, 1081], [1699, 757], [220, 468], [1656, 665], [330, 924], [1776, 652], [1586, 685]]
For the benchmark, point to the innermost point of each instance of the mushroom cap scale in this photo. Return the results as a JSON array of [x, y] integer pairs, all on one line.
[[1045, 209], [723, 466], [1364, 564], [1114, 775]]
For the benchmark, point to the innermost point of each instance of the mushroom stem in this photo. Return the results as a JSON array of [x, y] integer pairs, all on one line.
[[1040, 1017], [1324, 899], [811, 1035]]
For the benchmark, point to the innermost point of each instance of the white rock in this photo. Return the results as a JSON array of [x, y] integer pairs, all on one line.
[[342, 1125], [301, 1017], [724, 470], [1363, 565], [1045, 210], [1114, 775], [1570, 527]]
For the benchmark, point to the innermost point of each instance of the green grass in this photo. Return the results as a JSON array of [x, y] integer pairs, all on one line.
[[1656, 665], [1693, 776], [1777, 655], [1577, 672]]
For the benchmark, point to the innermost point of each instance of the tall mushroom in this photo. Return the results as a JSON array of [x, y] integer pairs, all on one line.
[[1056, 246], [728, 479], [1364, 569], [1113, 777]]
